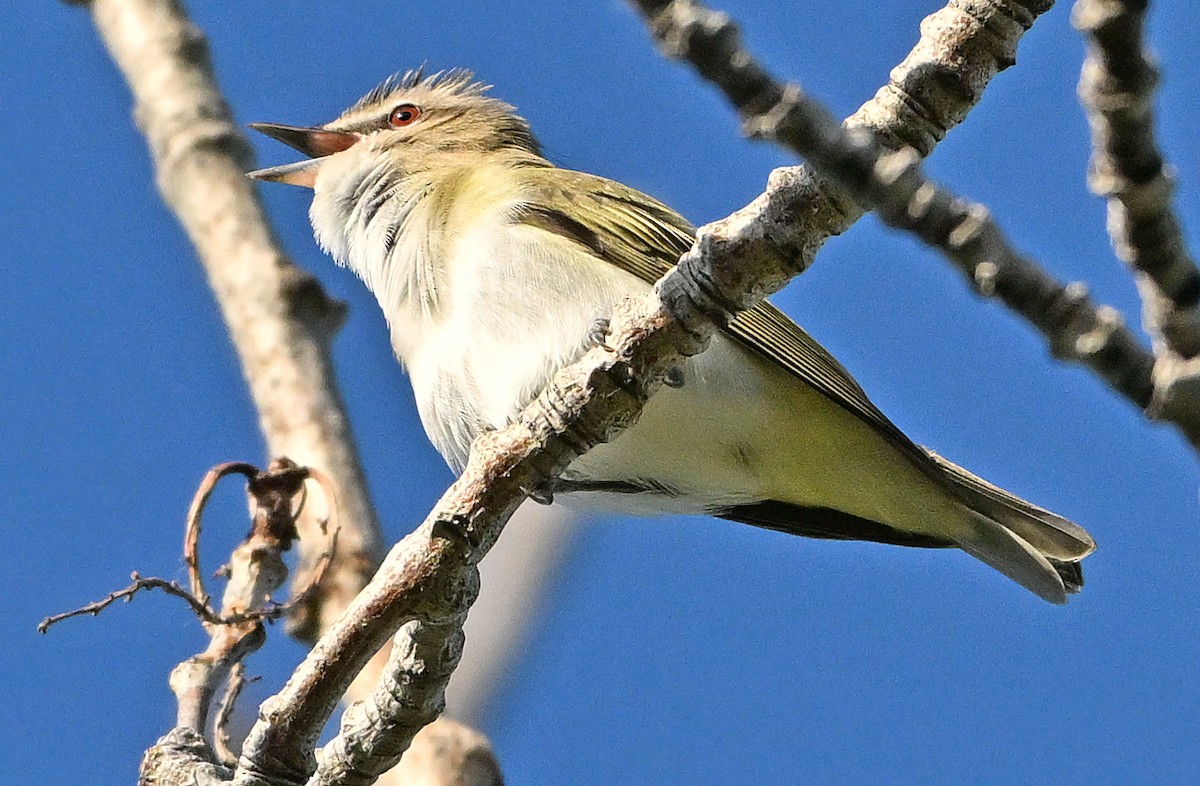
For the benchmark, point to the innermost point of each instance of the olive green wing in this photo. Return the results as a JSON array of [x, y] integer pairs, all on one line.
[[618, 224], [646, 238]]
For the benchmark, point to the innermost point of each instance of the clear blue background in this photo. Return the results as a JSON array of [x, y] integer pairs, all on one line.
[[674, 651]]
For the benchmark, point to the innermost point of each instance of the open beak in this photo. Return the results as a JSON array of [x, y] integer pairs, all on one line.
[[316, 143]]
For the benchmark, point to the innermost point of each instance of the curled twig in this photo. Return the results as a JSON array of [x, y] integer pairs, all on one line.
[[191, 533], [197, 598], [255, 570]]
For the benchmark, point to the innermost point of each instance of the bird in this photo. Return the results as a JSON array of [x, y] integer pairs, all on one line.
[[493, 268]]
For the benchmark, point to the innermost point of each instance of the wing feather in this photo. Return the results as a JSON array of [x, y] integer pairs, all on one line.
[[627, 229], [646, 238]]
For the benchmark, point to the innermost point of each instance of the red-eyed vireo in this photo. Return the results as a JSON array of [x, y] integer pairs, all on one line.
[[493, 266]]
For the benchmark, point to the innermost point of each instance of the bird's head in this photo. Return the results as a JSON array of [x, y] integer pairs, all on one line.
[[411, 120]]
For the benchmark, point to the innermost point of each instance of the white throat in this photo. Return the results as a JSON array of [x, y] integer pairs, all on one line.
[[374, 220], [452, 275]]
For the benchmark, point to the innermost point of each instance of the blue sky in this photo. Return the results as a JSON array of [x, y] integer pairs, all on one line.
[[674, 650]]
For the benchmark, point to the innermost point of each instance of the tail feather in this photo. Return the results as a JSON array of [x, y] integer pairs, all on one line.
[[1071, 574], [1054, 536], [1038, 549], [998, 546]]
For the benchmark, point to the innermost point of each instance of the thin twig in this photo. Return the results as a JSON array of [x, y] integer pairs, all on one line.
[[198, 606], [324, 559]]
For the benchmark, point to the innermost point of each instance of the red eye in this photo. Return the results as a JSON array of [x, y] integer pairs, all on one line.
[[404, 115]]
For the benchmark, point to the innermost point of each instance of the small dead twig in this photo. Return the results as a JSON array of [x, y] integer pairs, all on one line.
[[200, 604], [201, 608], [255, 571]]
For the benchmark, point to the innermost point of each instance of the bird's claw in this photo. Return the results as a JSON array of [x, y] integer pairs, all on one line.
[[598, 334], [542, 494]]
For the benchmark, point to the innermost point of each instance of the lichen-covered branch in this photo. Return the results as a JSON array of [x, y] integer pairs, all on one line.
[[410, 694], [183, 758], [1117, 90], [431, 576], [894, 185]]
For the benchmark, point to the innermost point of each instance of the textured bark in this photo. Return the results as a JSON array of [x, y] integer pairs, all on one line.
[[1117, 90], [961, 49]]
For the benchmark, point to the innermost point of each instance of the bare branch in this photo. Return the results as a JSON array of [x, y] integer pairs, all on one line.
[[254, 572], [894, 185], [431, 576], [376, 732], [1117, 90], [182, 757], [961, 48], [280, 320]]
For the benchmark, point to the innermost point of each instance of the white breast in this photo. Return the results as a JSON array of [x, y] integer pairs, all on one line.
[[483, 311], [521, 303]]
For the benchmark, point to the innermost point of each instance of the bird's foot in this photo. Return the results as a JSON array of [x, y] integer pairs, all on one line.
[[598, 334], [542, 494]]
